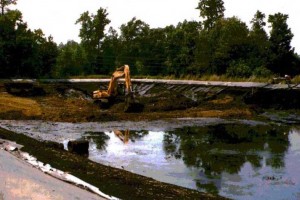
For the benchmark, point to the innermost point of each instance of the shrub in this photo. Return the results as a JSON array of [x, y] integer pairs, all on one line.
[[262, 72], [239, 70]]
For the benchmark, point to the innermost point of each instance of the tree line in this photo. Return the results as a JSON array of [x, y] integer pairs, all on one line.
[[212, 45]]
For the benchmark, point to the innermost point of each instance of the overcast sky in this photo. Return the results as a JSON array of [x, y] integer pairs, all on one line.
[[57, 17]]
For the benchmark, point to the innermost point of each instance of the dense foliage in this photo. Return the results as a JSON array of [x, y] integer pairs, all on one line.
[[23, 53], [212, 45]]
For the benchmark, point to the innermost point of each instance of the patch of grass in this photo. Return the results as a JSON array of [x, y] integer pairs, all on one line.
[[296, 79], [26, 106], [226, 100], [260, 79]]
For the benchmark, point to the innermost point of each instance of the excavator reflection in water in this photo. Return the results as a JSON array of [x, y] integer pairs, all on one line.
[[108, 96], [124, 137]]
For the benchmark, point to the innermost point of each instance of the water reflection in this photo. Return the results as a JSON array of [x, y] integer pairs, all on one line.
[[98, 138], [234, 160], [123, 136], [226, 148]]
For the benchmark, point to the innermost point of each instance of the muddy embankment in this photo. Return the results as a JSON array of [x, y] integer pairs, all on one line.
[[70, 100]]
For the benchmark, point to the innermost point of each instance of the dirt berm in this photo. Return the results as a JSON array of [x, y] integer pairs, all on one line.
[[72, 102]]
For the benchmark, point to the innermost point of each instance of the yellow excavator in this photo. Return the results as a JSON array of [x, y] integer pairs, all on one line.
[[108, 96]]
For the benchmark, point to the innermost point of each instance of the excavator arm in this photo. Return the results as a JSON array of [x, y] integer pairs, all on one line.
[[112, 87], [131, 105]]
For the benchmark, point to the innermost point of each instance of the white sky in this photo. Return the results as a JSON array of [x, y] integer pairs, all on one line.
[[57, 17]]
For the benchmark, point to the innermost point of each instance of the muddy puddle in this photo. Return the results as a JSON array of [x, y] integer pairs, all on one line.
[[235, 159]]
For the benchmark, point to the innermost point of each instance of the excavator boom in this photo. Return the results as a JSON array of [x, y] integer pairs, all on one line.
[[130, 102], [112, 87]]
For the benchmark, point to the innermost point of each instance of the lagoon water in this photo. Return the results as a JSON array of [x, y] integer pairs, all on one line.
[[259, 167], [235, 160]]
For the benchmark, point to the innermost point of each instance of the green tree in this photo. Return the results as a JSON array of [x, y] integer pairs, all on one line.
[[133, 38], [226, 42], [134, 29], [281, 52], [211, 11], [24, 53], [155, 52], [181, 47], [7, 42], [4, 4], [92, 35], [205, 52], [48, 52], [15, 40], [259, 41], [238, 69], [258, 25], [71, 60], [111, 51], [35, 55]]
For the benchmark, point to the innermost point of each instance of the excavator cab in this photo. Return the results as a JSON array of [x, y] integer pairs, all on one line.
[[108, 96]]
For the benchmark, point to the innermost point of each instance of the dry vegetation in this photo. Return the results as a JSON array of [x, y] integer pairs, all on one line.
[[26, 106]]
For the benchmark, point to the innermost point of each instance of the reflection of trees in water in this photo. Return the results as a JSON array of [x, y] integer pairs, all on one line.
[[172, 145], [100, 138], [226, 148], [137, 135]]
